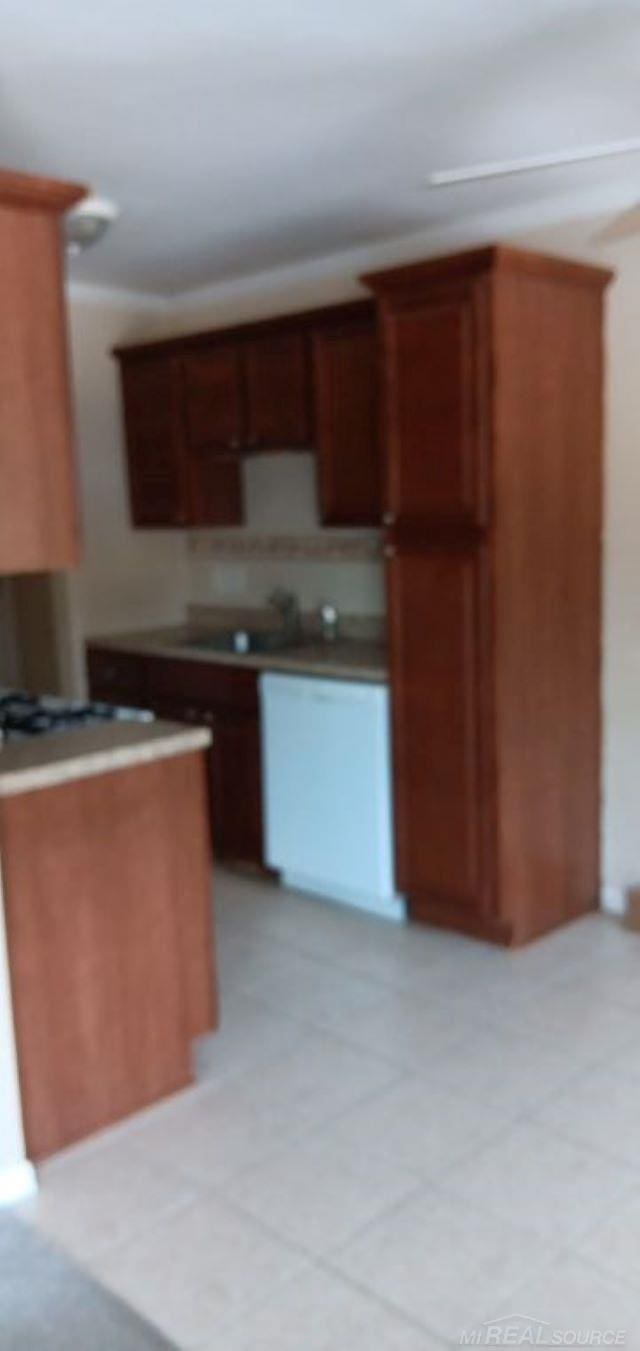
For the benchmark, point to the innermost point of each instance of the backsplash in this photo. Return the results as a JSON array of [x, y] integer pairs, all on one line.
[[283, 544]]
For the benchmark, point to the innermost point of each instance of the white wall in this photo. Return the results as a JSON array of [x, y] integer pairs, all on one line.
[[16, 1177]]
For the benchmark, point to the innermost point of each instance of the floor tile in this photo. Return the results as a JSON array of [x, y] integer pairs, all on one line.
[[422, 1127], [201, 1266], [410, 1031], [510, 1071], [318, 1195], [217, 1131], [311, 989], [602, 1109], [320, 1312], [441, 1261], [569, 1299], [533, 1175], [614, 1246], [95, 1197], [570, 1016], [250, 1032]]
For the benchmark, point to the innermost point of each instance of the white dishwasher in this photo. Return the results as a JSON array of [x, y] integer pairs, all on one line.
[[327, 789]]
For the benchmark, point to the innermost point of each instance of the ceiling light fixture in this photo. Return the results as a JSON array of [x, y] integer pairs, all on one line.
[[87, 223], [503, 168]]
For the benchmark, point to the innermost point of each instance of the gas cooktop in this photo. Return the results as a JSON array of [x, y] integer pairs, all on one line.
[[25, 715]]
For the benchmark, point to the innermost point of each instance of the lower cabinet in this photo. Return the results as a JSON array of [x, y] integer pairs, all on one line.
[[440, 671], [223, 698]]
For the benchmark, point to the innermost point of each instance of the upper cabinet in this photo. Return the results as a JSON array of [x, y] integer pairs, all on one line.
[[278, 391], [304, 382], [437, 388], [179, 473], [39, 528], [213, 409], [347, 419], [157, 485]]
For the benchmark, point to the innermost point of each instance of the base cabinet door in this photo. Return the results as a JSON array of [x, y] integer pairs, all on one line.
[[439, 644], [236, 788]]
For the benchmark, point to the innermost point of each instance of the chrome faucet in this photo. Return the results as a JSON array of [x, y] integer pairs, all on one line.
[[287, 606]]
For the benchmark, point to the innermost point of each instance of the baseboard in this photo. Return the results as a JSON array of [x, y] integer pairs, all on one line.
[[17, 1183], [386, 907], [612, 900]]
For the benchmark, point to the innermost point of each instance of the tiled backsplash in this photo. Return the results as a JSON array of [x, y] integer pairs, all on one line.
[[283, 544]]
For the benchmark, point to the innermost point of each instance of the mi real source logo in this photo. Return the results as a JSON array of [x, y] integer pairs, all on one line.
[[518, 1329]]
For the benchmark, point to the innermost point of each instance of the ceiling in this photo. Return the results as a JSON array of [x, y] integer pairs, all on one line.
[[238, 136]]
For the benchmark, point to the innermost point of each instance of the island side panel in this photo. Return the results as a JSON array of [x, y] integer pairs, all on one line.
[[107, 893]]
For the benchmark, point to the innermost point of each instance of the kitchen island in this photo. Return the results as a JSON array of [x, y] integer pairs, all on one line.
[[106, 880]]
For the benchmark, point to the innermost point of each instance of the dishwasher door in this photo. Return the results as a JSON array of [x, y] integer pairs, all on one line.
[[327, 789]]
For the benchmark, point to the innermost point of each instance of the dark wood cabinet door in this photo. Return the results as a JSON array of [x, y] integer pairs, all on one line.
[[212, 399], [438, 616], [236, 788], [437, 379], [215, 489], [153, 441], [116, 677], [278, 392], [225, 699], [347, 423]]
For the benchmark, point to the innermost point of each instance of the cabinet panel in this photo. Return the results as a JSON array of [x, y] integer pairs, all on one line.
[[278, 391], [212, 399], [215, 489], [116, 677], [347, 423], [436, 350], [154, 448], [39, 528], [236, 788], [438, 616]]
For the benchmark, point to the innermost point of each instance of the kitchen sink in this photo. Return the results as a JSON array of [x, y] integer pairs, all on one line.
[[244, 641]]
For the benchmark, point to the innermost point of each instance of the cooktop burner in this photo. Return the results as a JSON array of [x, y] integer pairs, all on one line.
[[24, 715]]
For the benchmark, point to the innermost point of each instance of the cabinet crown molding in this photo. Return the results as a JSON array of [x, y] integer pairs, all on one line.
[[491, 258], [44, 194]]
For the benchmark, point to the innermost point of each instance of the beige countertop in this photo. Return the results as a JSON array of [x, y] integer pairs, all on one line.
[[345, 659], [61, 757]]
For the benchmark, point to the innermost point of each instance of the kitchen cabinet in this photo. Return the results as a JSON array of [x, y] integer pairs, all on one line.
[[492, 388], [221, 697], [39, 525], [177, 477], [193, 405], [212, 395], [437, 602], [278, 390], [116, 677], [157, 479], [348, 438], [109, 940], [437, 381]]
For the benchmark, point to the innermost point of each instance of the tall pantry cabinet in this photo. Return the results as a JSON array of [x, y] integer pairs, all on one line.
[[492, 390]]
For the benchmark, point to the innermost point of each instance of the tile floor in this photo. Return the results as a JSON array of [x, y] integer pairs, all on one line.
[[397, 1134]]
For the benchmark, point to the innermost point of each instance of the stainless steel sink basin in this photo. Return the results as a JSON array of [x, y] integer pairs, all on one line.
[[243, 641]]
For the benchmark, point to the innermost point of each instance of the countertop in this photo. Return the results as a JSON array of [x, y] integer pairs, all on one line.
[[61, 757], [345, 659]]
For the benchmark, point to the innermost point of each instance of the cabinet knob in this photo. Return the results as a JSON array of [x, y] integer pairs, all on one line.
[[389, 551], [388, 518]]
